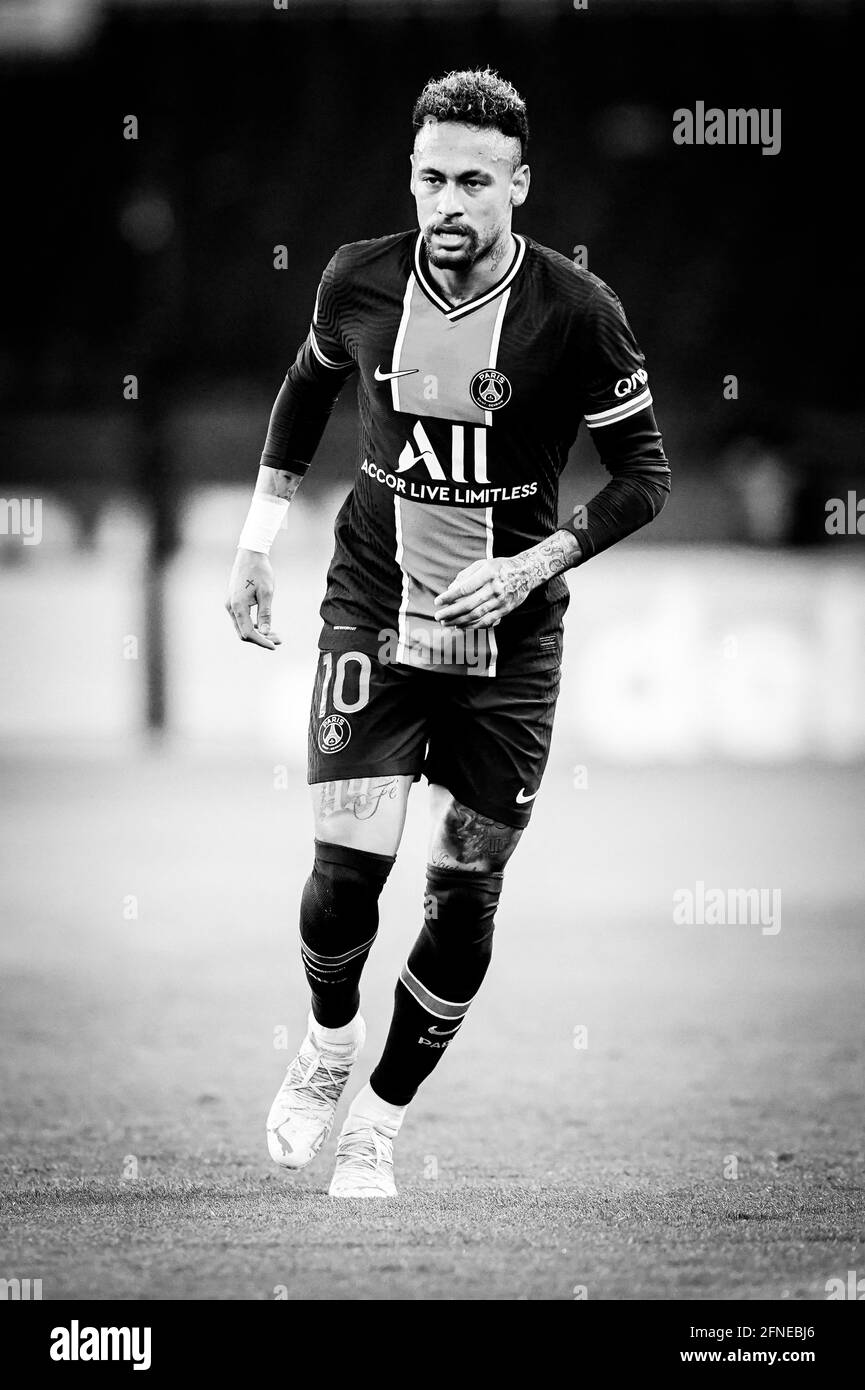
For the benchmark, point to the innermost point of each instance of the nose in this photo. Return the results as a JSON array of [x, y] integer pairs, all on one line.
[[449, 202]]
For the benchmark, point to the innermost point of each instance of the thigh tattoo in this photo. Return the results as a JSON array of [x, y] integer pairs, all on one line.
[[361, 796], [468, 840]]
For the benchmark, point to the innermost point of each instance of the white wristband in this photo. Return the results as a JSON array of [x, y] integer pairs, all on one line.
[[266, 515]]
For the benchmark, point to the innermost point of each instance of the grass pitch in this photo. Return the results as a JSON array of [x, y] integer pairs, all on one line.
[[633, 1110]]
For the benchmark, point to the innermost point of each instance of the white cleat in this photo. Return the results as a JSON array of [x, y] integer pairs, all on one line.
[[364, 1161], [302, 1114]]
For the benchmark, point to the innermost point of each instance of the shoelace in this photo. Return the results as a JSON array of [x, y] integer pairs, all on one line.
[[364, 1148], [325, 1090]]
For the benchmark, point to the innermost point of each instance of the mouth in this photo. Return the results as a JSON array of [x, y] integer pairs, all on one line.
[[449, 235]]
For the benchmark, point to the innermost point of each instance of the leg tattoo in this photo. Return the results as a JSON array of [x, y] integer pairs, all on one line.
[[362, 796], [469, 840]]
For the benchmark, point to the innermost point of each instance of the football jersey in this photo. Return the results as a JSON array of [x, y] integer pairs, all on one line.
[[467, 413]]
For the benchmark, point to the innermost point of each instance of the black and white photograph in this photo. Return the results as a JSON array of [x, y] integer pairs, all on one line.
[[432, 703]]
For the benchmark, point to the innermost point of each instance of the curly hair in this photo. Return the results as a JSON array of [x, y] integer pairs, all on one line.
[[477, 98]]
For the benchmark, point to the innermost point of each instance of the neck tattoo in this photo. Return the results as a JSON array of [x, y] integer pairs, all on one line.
[[498, 253]]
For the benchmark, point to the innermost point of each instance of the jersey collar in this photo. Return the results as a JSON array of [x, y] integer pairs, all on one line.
[[460, 310]]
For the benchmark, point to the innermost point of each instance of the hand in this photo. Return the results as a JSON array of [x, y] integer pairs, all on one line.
[[483, 593], [251, 586]]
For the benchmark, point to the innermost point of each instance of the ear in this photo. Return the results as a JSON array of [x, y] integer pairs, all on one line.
[[520, 180], [411, 160]]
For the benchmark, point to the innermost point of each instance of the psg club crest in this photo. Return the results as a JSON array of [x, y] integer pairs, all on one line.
[[334, 733], [490, 389]]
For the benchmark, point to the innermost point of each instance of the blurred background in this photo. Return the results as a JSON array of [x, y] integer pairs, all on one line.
[[146, 330]]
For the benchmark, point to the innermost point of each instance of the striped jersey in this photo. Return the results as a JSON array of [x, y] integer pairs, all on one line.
[[467, 414]]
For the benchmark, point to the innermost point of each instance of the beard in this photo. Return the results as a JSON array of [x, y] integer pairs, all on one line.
[[460, 257]]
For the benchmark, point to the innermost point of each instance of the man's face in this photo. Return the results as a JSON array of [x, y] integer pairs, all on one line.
[[465, 187]]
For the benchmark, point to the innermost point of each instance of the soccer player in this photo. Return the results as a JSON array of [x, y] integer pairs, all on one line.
[[477, 353]]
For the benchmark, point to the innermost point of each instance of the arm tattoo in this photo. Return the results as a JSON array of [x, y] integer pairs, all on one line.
[[361, 796], [278, 482], [559, 552], [468, 840]]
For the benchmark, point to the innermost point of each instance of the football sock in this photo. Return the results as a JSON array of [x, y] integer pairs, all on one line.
[[334, 1037], [368, 1106], [440, 978], [338, 925]]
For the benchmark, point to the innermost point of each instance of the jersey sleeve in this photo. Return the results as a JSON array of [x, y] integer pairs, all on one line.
[[311, 387], [325, 339], [613, 369], [616, 403]]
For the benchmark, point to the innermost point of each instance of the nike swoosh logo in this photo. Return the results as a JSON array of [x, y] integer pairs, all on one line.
[[389, 376], [444, 1032], [522, 798]]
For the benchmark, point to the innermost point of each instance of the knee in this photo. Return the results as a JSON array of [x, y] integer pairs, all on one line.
[[460, 909], [344, 879]]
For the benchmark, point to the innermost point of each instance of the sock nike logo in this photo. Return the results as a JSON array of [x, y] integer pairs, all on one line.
[[443, 1032], [522, 798], [389, 376]]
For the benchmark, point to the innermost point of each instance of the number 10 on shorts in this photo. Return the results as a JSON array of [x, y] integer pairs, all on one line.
[[338, 673], [346, 677]]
